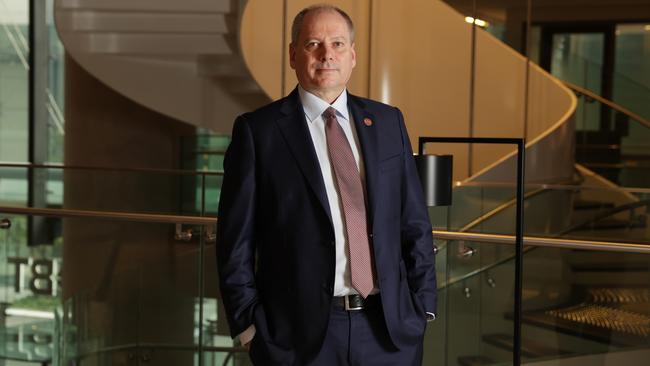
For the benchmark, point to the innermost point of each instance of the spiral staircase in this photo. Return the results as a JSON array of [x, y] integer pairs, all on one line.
[[185, 51]]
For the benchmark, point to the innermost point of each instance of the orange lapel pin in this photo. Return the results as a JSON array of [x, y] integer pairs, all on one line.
[[367, 121]]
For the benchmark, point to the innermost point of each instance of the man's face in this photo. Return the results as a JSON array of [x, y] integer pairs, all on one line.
[[323, 55]]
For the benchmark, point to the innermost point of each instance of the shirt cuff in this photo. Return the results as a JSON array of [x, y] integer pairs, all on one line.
[[247, 335], [431, 316]]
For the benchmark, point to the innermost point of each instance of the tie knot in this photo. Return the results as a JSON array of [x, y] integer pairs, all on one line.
[[329, 113]]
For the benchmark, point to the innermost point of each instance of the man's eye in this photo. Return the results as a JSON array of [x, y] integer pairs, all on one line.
[[311, 45], [338, 44]]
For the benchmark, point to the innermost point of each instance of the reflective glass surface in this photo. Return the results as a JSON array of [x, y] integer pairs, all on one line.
[[586, 307], [124, 190], [632, 87], [14, 53], [55, 91], [129, 291], [566, 299]]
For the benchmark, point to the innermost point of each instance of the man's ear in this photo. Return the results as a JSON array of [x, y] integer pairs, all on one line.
[[292, 56], [354, 55]]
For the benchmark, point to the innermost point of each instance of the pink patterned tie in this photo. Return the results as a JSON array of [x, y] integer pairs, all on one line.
[[350, 190]]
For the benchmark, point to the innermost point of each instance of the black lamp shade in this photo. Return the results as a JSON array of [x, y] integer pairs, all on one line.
[[435, 173]]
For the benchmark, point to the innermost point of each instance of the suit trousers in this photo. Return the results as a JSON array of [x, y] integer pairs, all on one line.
[[360, 338]]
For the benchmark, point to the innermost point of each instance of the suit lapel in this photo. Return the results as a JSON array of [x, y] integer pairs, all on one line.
[[367, 134], [296, 134]]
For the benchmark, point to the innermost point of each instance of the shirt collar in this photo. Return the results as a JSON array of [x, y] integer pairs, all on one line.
[[314, 106]]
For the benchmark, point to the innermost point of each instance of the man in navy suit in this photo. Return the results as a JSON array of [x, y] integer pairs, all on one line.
[[324, 247]]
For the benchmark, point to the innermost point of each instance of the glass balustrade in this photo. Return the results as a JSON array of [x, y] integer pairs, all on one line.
[[204, 153], [568, 293], [612, 141], [581, 307], [129, 293], [29, 303], [587, 211], [619, 150], [175, 192], [138, 292], [591, 210], [139, 285]]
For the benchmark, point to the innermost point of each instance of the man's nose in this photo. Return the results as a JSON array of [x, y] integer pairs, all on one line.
[[326, 53]]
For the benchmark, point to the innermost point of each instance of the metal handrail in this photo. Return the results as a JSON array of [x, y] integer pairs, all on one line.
[[608, 103], [537, 241], [106, 168], [550, 186], [531, 243], [113, 215], [438, 234]]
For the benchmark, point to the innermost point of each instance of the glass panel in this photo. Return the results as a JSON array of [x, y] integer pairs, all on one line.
[[577, 303], [580, 302], [217, 356], [631, 70], [435, 338], [632, 88], [129, 294], [578, 59], [132, 292], [14, 53], [204, 152], [127, 190], [591, 210], [13, 186], [593, 213], [55, 88], [214, 328], [618, 155], [466, 270], [30, 294], [478, 285]]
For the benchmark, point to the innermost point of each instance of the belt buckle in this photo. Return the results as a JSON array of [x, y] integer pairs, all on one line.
[[347, 304]]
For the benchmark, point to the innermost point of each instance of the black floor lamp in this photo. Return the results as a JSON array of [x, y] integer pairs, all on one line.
[[436, 175]]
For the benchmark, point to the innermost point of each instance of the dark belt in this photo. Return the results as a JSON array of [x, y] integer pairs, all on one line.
[[355, 302]]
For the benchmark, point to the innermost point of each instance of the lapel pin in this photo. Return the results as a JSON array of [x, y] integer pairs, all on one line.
[[367, 121]]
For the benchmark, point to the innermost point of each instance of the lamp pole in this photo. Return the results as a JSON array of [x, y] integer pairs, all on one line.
[[519, 229]]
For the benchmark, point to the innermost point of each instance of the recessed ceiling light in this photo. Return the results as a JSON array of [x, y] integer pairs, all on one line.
[[479, 22]]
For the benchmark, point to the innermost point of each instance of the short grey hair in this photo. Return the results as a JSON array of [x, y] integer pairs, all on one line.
[[297, 21]]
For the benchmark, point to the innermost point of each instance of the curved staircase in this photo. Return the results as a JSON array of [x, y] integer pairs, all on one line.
[[179, 58]]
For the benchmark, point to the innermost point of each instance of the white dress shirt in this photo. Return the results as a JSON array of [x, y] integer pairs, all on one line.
[[314, 108]]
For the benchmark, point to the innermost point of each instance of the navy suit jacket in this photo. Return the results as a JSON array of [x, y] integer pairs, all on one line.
[[275, 239]]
